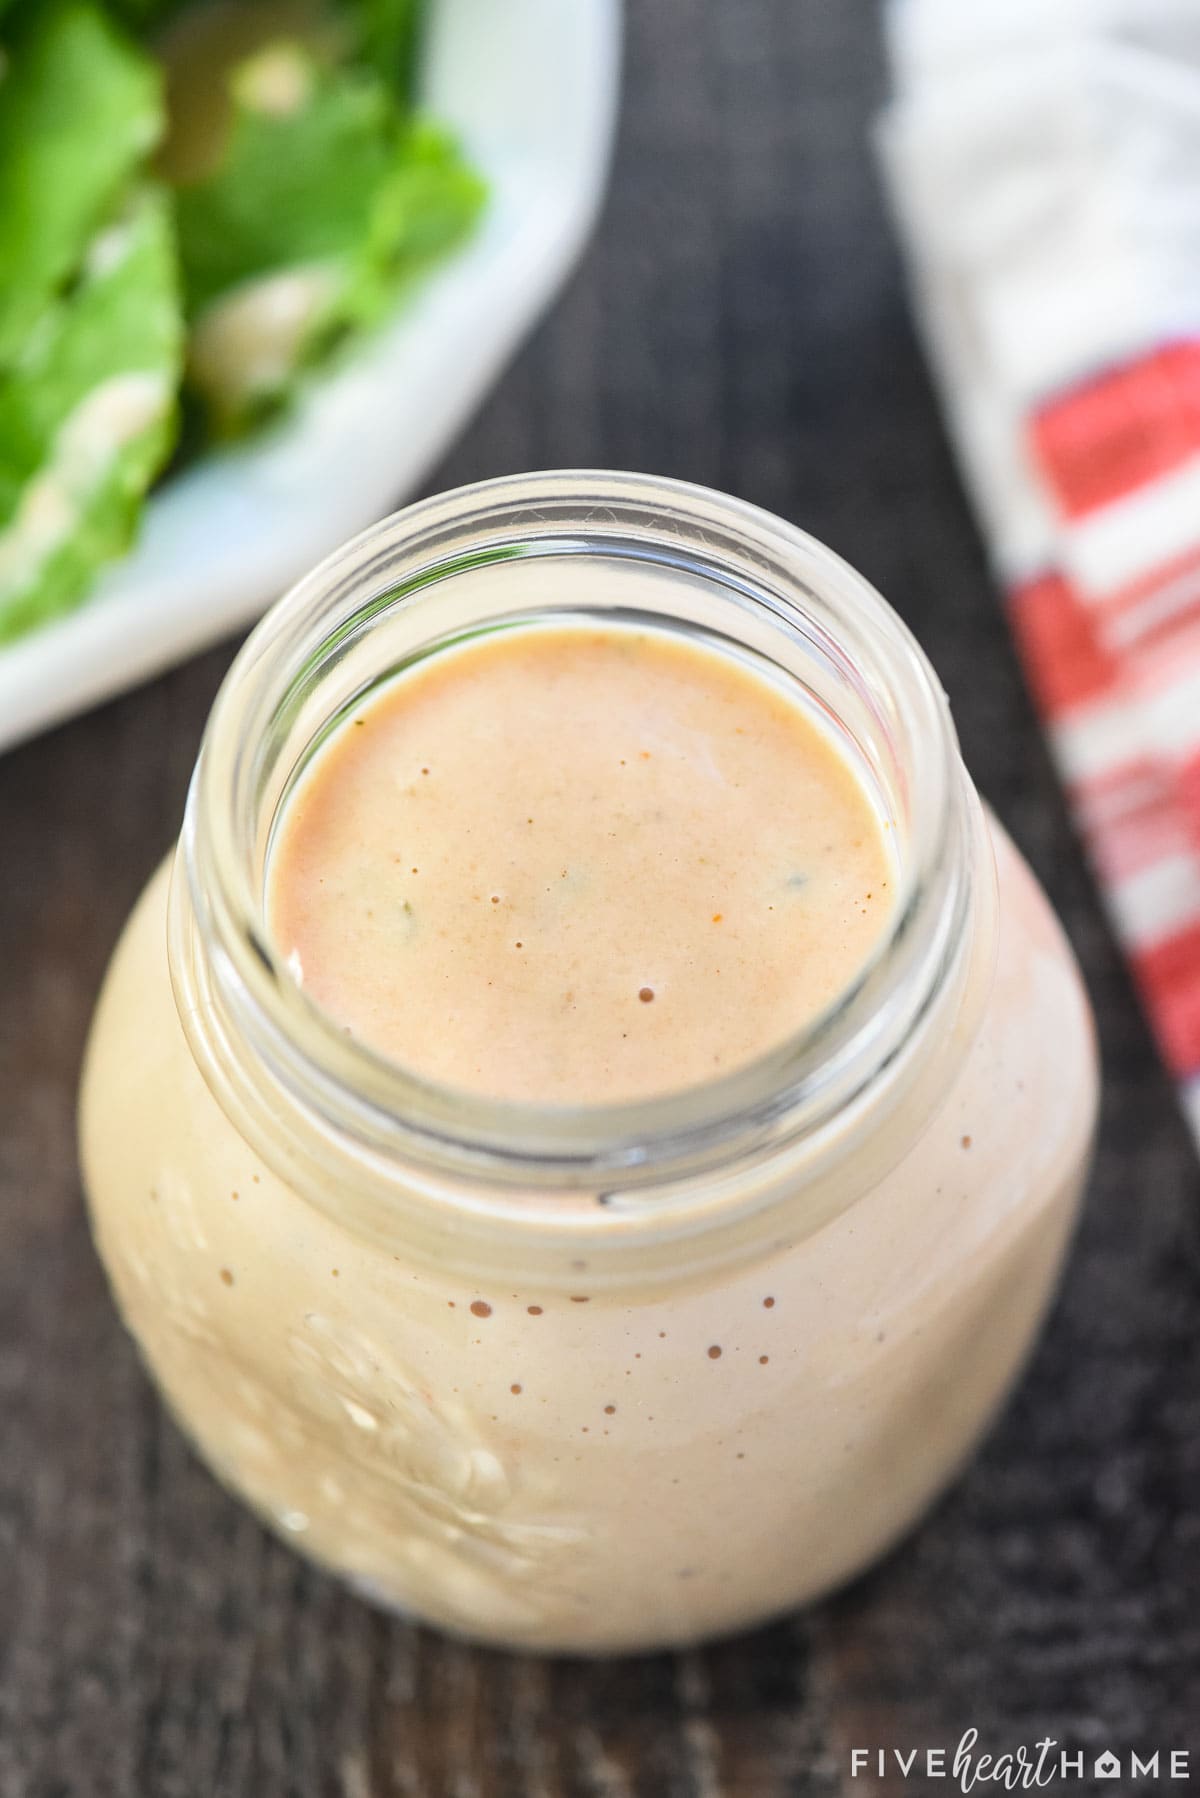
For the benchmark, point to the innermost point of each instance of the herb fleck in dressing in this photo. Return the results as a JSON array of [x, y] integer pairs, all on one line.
[[640, 865]]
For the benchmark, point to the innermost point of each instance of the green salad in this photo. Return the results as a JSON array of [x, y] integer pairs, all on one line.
[[198, 204]]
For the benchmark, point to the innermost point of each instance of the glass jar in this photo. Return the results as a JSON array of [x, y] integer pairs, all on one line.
[[602, 1378]]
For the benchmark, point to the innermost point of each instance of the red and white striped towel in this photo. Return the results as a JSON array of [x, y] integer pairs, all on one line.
[[1043, 158]]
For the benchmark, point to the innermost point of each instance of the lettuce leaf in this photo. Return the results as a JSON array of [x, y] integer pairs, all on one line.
[[80, 109], [307, 151], [144, 15], [325, 200], [327, 197], [88, 417], [388, 36]]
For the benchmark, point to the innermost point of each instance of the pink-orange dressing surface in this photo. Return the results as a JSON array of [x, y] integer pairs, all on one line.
[[568, 865]]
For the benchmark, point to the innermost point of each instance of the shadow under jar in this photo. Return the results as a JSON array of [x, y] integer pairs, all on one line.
[[756, 1324]]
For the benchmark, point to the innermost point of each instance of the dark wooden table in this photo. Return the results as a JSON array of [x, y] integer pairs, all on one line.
[[740, 321]]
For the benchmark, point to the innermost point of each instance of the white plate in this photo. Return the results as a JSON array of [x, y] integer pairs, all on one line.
[[531, 86]]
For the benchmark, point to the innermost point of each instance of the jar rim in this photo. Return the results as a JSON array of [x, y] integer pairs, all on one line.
[[385, 1110]]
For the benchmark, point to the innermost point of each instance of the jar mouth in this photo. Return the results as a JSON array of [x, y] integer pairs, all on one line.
[[424, 579]]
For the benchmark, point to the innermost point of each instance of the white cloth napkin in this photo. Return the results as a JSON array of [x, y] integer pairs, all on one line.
[[1043, 162]]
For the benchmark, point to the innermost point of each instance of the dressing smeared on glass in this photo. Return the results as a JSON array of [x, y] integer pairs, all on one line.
[[568, 865]]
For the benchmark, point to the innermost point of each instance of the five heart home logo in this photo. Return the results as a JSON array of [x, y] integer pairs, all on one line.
[[1019, 1769]]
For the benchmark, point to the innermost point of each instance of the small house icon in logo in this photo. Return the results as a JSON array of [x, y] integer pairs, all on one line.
[[1107, 1766]]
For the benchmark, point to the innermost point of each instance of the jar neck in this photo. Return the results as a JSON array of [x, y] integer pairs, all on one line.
[[397, 1155]]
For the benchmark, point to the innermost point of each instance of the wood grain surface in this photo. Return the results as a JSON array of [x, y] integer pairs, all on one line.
[[740, 321]]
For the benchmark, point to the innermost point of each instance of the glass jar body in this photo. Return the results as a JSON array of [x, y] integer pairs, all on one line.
[[599, 1468]]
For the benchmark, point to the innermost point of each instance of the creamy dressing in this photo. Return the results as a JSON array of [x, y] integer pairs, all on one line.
[[249, 341], [582, 1468], [581, 1418], [574, 865]]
